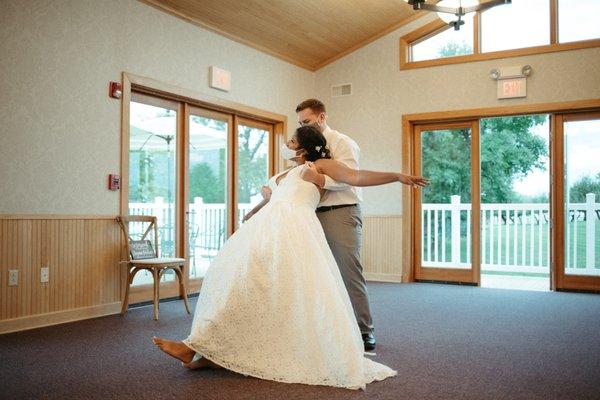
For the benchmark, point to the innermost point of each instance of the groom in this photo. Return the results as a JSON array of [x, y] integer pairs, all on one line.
[[340, 216]]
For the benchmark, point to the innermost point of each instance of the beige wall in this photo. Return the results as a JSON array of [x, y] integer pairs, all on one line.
[[59, 130], [382, 94]]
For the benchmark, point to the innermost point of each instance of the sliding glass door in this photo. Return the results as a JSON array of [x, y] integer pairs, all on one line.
[[510, 200], [198, 171], [254, 163], [515, 212], [447, 211], [153, 141], [576, 205], [208, 173]]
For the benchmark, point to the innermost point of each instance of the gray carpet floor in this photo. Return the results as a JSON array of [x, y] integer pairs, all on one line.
[[445, 341]]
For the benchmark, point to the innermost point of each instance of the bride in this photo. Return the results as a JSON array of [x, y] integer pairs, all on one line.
[[273, 304]]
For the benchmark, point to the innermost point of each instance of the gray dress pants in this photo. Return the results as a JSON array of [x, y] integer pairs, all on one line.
[[343, 230]]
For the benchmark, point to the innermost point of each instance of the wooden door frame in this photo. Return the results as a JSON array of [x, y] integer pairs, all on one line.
[[561, 280], [185, 97], [461, 275], [409, 121]]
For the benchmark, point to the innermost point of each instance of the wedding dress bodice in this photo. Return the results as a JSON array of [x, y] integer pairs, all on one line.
[[295, 191]]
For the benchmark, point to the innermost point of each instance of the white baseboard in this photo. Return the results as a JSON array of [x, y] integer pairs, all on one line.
[[59, 317], [370, 276]]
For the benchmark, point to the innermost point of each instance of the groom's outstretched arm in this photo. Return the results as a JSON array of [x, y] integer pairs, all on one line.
[[316, 172]]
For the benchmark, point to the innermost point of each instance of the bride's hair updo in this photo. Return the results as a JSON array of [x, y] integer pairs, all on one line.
[[310, 139]]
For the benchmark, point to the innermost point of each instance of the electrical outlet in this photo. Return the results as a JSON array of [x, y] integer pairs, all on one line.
[[13, 277], [45, 275]]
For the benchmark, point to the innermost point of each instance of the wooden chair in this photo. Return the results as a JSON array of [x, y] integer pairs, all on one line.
[[154, 263]]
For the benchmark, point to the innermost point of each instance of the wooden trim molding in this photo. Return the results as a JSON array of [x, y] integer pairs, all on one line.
[[439, 116], [56, 216], [375, 277], [59, 317], [494, 55], [161, 89]]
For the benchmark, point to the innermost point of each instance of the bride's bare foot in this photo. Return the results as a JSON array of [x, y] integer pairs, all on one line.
[[175, 349], [201, 363]]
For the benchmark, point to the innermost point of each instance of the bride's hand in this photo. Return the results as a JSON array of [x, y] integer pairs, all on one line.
[[247, 217], [414, 181]]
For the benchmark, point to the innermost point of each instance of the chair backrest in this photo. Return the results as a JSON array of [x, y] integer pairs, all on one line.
[[124, 221]]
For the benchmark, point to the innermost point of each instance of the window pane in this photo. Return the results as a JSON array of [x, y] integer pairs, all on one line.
[[582, 197], [207, 205], [578, 20], [523, 23], [515, 209], [253, 167], [446, 203], [152, 179], [445, 44]]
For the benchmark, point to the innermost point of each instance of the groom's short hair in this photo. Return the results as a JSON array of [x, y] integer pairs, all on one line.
[[315, 105]]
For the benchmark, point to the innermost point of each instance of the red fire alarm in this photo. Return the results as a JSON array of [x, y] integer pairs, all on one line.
[[114, 90], [114, 182]]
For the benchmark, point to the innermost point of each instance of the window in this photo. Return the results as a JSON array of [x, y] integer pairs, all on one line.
[[520, 28], [447, 43], [578, 20], [523, 23]]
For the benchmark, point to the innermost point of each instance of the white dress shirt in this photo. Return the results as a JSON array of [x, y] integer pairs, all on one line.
[[345, 150]]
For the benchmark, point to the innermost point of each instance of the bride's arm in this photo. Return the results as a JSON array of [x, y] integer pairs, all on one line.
[[314, 172], [256, 209]]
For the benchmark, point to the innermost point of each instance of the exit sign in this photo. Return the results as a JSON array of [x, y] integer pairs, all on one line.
[[512, 88], [219, 79]]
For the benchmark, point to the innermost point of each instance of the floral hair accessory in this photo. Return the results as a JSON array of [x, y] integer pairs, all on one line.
[[318, 148]]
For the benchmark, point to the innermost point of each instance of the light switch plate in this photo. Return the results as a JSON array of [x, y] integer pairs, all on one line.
[[45, 275]]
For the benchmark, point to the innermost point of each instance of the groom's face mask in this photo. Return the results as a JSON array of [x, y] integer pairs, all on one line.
[[308, 117]]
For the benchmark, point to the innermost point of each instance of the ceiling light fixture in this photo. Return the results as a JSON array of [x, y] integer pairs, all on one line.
[[453, 11]]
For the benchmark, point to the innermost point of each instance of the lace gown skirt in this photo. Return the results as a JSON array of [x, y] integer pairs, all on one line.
[[273, 305]]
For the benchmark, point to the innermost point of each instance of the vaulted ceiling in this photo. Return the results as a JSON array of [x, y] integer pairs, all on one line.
[[308, 33]]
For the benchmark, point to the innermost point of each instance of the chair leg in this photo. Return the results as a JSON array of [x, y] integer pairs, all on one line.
[[182, 289], [125, 305], [156, 283]]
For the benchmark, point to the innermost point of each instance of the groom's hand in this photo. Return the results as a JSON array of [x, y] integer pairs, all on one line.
[[310, 173], [414, 181]]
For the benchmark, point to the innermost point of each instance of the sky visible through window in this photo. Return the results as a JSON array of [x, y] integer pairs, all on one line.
[[523, 23], [430, 48], [582, 145], [578, 20]]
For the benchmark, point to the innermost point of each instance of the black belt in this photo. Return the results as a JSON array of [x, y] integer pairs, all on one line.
[[329, 208]]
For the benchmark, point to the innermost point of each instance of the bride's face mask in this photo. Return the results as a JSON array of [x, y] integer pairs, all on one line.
[[288, 154]]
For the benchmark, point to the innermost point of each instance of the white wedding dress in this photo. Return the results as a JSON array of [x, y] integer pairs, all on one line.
[[273, 304]]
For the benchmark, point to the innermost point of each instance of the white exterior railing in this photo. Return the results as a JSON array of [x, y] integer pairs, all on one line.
[[207, 223], [514, 237]]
